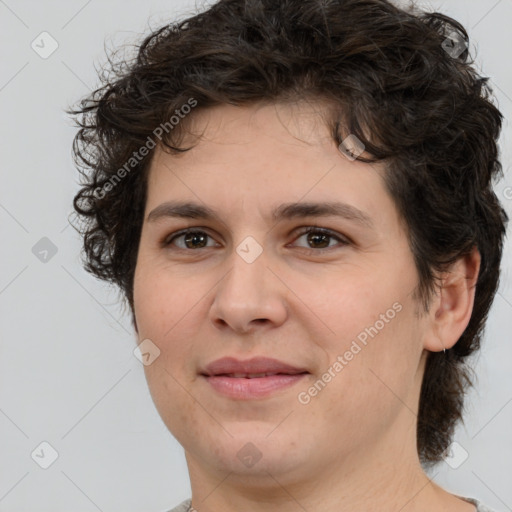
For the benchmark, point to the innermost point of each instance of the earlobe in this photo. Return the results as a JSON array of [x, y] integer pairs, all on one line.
[[452, 307]]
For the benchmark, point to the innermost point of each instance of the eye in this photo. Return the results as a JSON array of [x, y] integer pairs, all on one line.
[[320, 238], [317, 238], [191, 238]]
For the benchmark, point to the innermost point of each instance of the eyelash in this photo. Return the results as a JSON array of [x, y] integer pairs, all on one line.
[[343, 241]]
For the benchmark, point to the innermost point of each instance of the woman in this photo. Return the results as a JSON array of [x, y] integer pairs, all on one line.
[[296, 200]]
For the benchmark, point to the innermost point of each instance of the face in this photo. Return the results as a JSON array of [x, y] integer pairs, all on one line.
[[331, 312]]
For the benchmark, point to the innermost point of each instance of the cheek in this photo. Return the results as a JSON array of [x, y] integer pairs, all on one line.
[[352, 303], [383, 373], [160, 300], [377, 335], [161, 306], [172, 398], [166, 309]]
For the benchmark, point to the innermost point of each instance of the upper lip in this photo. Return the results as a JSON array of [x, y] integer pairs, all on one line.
[[256, 365]]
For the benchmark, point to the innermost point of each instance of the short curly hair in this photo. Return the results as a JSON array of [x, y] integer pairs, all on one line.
[[402, 82]]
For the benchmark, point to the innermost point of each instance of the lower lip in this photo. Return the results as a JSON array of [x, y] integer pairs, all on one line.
[[259, 387]]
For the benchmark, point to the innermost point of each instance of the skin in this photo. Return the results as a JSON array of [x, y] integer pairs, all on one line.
[[353, 446]]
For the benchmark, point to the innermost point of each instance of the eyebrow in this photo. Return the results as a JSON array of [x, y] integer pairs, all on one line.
[[286, 211]]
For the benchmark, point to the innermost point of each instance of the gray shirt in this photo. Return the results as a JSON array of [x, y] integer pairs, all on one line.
[[184, 507]]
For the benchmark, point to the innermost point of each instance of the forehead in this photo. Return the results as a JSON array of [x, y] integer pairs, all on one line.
[[267, 138], [258, 157]]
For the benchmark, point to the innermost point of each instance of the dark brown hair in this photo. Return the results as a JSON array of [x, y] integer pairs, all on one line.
[[403, 83]]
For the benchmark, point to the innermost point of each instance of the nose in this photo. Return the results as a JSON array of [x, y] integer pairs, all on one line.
[[248, 296]]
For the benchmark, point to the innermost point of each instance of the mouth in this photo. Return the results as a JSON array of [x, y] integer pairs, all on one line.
[[252, 379], [250, 375]]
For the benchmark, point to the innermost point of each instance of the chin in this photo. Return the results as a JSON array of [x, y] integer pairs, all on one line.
[[249, 453]]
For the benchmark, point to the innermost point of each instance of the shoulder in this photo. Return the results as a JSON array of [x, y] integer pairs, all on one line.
[[183, 507], [479, 506]]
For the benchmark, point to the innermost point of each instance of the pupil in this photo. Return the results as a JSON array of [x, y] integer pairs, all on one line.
[[314, 238], [191, 237]]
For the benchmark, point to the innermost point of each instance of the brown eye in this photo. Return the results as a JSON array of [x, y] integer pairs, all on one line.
[[321, 238], [191, 239]]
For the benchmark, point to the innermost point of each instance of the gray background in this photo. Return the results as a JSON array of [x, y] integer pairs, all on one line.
[[67, 372]]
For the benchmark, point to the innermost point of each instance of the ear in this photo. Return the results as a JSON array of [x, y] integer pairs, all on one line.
[[450, 310]]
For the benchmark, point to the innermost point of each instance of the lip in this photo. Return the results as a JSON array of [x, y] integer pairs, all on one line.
[[227, 365], [243, 380]]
